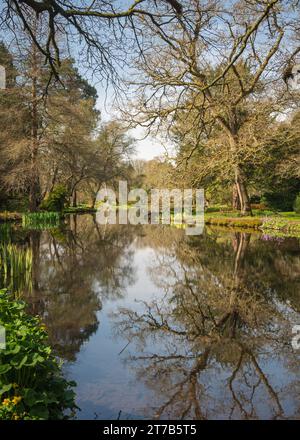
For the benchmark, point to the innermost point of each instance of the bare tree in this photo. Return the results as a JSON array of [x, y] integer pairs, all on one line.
[[101, 26], [209, 64]]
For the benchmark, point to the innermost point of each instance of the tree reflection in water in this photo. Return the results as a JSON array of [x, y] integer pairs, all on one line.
[[214, 340], [207, 345], [72, 271]]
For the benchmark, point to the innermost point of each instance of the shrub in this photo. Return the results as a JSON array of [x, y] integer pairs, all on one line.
[[31, 382], [297, 204], [283, 198], [56, 200]]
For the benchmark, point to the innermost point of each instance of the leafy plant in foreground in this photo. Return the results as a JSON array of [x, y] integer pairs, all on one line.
[[31, 381]]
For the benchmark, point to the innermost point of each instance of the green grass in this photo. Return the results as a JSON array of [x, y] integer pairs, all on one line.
[[290, 215], [286, 223], [240, 222]]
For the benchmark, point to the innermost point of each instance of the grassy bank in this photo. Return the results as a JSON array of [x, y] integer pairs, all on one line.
[[284, 223], [79, 210]]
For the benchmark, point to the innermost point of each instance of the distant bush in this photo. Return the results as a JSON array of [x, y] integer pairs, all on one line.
[[281, 196], [56, 200], [297, 204], [279, 201]]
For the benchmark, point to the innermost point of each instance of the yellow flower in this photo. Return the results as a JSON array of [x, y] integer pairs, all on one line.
[[6, 402], [16, 400]]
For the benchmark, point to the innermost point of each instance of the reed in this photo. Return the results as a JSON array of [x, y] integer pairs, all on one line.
[[40, 220], [16, 268]]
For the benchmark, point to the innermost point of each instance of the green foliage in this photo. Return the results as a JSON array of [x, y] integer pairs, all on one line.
[[40, 220], [56, 200], [31, 382], [297, 204]]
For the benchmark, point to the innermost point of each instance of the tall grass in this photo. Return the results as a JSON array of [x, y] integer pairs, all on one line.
[[15, 268], [40, 220]]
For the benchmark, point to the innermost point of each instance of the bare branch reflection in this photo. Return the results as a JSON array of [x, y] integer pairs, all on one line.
[[203, 346]]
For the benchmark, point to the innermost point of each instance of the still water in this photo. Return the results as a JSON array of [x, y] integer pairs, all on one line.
[[152, 323]]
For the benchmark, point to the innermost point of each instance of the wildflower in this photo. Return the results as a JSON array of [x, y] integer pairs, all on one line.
[[6, 402], [16, 400]]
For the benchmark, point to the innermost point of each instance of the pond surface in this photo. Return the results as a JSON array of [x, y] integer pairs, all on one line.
[[152, 323]]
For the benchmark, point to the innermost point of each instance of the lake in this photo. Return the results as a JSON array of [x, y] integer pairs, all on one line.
[[154, 324]]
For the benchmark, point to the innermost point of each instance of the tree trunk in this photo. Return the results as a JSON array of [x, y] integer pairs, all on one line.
[[235, 198], [74, 199], [95, 194], [245, 205], [94, 200]]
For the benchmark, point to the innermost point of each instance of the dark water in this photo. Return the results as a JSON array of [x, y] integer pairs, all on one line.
[[154, 324]]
